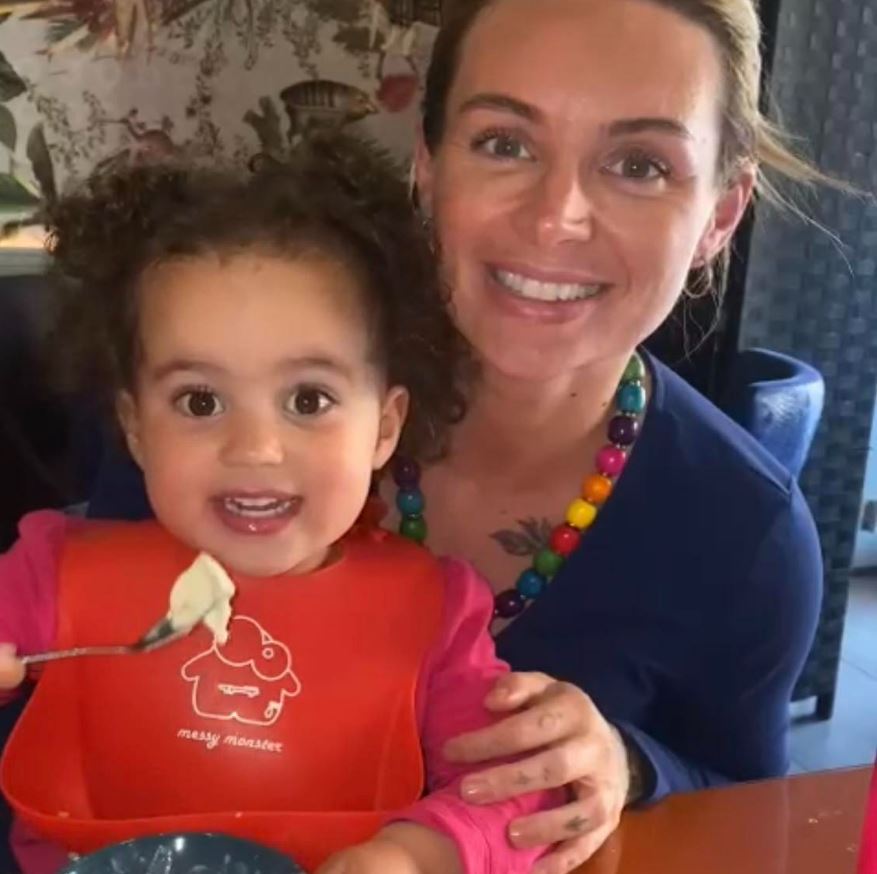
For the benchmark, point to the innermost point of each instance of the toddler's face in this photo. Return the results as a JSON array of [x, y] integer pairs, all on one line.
[[258, 414]]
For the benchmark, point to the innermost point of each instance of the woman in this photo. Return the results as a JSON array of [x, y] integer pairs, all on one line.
[[582, 163]]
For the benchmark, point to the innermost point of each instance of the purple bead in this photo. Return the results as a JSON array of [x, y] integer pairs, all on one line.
[[623, 430], [406, 472], [509, 604]]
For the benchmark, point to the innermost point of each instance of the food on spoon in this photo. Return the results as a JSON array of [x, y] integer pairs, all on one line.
[[202, 593]]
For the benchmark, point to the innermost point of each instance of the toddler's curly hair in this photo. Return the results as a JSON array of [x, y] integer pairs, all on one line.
[[336, 196]]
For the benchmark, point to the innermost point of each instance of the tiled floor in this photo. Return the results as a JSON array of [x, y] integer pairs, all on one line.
[[850, 737]]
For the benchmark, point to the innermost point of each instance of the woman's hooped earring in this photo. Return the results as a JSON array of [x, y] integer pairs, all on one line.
[[701, 279]]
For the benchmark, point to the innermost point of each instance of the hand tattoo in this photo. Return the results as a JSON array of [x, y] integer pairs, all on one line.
[[577, 825]]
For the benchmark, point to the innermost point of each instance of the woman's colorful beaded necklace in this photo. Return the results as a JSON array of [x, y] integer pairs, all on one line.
[[624, 427]]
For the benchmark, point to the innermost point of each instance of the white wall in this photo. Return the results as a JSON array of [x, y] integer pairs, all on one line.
[[865, 554]]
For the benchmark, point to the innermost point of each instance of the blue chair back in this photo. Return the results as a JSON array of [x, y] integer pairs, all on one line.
[[778, 400]]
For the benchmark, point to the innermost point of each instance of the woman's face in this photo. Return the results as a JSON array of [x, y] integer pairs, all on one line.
[[577, 181]]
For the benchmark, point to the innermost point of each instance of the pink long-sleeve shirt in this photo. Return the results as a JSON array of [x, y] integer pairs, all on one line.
[[456, 675]]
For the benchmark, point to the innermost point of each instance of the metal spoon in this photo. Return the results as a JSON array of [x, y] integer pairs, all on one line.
[[161, 634]]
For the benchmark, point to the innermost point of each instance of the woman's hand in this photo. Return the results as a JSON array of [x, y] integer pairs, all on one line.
[[11, 669], [576, 748]]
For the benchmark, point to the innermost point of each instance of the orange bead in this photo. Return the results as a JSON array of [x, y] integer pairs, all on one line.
[[596, 489]]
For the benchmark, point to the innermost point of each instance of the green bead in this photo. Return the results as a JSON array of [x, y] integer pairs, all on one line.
[[547, 562], [414, 528], [635, 370]]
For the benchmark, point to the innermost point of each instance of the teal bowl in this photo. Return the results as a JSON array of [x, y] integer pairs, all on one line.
[[185, 854]]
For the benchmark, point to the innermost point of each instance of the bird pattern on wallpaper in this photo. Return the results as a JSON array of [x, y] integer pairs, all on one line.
[[106, 82], [395, 21]]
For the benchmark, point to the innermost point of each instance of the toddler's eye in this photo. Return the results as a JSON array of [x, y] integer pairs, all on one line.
[[199, 403]]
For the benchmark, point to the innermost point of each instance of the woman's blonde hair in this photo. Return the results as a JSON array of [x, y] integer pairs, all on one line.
[[749, 136]]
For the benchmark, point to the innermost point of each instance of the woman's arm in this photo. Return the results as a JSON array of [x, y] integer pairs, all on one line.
[[737, 708], [753, 654]]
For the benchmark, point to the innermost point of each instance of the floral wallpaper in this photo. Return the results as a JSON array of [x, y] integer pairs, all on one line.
[[90, 82]]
